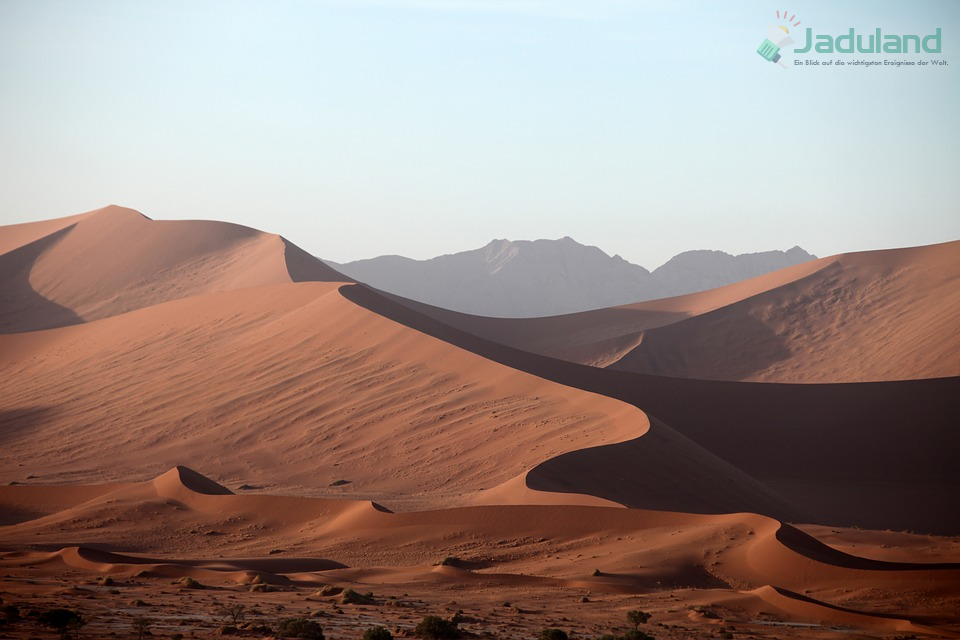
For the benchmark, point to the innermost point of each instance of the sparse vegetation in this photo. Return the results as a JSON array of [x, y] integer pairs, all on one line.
[[377, 633], [633, 634], [637, 618], [141, 625], [233, 611], [552, 634], [63, 621], [437, 628], [300, 628], [450, 561]]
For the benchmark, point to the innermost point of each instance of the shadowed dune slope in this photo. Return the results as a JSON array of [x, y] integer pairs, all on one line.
[[294, 387], [114, 260], [871, 316], [876, 455]]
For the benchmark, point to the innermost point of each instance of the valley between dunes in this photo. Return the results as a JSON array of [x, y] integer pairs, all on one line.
[[202, 400]]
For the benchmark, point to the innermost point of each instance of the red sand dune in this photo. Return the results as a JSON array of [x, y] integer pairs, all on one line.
[[837, 451], [293, 387], [858, 317], [233, 352], [113, 260]]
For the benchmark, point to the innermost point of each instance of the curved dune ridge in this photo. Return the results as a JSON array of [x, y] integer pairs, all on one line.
[[113, 260], [857, 317], [795, 439], [743, 558], [295, 387]]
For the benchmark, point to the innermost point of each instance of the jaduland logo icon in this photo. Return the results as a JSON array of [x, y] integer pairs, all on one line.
[[777, 38]]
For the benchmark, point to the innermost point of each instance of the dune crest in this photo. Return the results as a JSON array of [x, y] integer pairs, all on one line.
[[114, 260], [180, 479]]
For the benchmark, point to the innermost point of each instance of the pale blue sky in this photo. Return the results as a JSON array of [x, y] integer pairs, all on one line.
[[419, 127]]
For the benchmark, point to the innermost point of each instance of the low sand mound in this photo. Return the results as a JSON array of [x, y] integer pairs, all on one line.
[[114, 260], [239, 570], [872, 316], [779, 603], [750, 561]]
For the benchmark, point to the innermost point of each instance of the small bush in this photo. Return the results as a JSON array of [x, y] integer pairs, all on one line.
[[234, 612], [329, 590], [300, 628], [437, 628], [634, 634], [60, 619], [552, 634], [377, 633], [450, 561], [9, 612], [141, 625], [637, 618]]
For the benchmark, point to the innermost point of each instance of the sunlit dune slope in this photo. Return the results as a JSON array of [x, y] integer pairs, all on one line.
[[294, 387], [876, 315]]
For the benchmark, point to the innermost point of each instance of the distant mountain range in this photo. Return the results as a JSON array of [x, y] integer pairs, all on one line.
[[516, 279]]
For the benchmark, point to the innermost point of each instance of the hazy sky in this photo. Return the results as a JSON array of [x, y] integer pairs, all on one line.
[[420, 127]]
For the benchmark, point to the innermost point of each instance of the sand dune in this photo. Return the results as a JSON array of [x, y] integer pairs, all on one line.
[[294, 387], [113, 260], [858, 317], [836, 451], [880, 315], [138, 353]]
